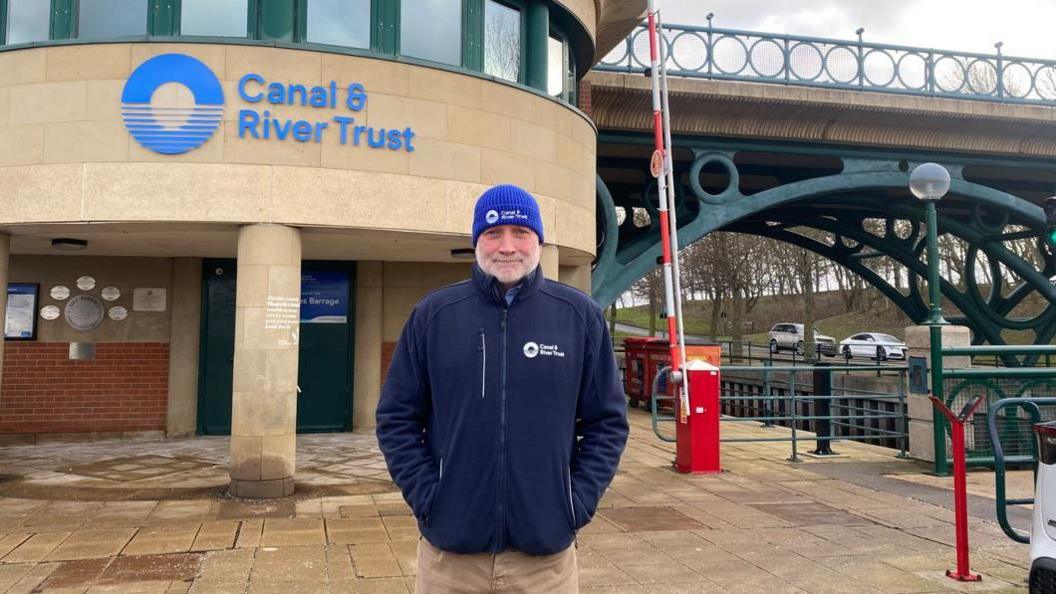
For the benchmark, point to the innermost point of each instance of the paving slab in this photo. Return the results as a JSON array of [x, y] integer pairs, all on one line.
[[32, 579], [167, 538], [92, 544], [853, 524], [217, 534], [249, 533], [292, 532], [36, 547]]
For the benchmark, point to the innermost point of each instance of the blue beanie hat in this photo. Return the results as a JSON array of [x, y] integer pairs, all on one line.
[[506, 204]]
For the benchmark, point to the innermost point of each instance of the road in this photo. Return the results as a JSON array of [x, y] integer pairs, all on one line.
[[636, 331]]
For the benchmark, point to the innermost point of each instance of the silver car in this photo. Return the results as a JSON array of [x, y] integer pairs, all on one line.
[[874, 345], [790, 337]]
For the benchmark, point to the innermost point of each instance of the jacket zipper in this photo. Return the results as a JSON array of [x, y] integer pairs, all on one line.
[[483, 361], [500, 524], [439, 479]]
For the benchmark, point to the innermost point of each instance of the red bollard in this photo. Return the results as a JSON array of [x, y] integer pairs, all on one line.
[[960, 488], [697, 439]]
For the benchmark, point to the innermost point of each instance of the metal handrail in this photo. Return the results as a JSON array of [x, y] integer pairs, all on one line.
[[1002, 502], [734, 54], [999, 349]]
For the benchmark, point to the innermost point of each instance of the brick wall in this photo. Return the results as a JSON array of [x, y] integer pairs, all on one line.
[[583, 97], [124, 389]]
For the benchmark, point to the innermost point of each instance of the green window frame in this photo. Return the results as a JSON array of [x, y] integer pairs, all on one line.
[[568, 66], [71, 10], [285, 21], [522, 59], [472, 35], [167, 21], [378, 11]]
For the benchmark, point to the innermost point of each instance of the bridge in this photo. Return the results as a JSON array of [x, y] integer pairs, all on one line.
[[810, 141]]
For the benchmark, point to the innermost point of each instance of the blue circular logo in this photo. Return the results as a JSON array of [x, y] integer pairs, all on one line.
[[172, 130]]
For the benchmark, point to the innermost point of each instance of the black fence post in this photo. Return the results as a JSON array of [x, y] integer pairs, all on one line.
[[823, 409]]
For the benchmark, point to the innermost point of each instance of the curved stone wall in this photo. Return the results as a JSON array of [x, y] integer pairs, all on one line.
[[66, 156]]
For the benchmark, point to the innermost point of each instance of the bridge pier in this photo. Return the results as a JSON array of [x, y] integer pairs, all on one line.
[[919, 409]]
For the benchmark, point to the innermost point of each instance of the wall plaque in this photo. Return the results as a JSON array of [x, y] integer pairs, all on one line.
[[86, 283], [147, 299], [84, 312], [59, 292], [111, 293], [918, 375], [82, 351], [117, 313], [50, 312]]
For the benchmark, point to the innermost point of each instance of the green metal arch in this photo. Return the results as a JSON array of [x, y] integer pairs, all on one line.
[[749, 213], [611, 278]]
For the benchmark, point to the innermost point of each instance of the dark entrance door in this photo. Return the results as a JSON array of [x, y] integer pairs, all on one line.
[[326, 334]]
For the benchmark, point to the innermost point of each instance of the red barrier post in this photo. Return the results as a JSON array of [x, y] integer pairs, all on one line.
[[697, 439], [963, 572]]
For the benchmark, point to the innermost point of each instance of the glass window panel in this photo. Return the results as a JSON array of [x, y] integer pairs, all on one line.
[[99, 19], [432, 30], [502, 41], [27, 20], [214, 18], [570, 83], [555, 66], [339, 22]]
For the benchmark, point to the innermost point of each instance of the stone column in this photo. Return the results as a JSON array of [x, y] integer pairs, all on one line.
[[577, 276], [184, 336], [5, 266], [548, 261], [919, 408], [366, 391], [264, 394]]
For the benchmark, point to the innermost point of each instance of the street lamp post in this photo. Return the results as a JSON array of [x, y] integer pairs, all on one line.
[[929, 182]]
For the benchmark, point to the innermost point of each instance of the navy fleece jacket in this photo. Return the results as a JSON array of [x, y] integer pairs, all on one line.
[[503, 424]]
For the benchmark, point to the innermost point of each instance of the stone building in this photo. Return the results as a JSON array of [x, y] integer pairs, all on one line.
[[217, 214]]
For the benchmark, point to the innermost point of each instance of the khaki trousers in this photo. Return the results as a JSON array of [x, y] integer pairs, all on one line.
[[440, 572]]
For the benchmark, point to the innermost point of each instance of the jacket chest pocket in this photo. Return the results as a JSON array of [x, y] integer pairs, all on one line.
[[460, 366]]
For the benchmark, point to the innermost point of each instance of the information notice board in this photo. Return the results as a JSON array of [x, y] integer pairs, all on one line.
[[21, 316]]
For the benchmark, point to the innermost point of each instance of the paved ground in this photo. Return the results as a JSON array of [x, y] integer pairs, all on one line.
[[153, 517]]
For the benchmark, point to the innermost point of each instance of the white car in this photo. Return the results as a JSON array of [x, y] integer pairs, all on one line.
[[874, 345], [790, 337]]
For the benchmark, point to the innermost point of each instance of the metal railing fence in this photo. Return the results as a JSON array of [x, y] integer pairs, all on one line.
[[995, 384], [752, 353], [1034, 410], [731, 54], [804, 400]]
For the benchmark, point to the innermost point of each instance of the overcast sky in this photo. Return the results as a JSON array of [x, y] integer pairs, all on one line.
[[1025, 26]]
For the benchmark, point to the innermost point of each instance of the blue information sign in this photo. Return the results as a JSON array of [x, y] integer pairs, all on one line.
[[21, 317], [324, 297]]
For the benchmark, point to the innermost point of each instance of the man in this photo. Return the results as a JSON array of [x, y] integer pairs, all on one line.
[[502, 418]]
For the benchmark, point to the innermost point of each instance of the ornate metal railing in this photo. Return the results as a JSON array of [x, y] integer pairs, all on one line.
[[729, 54]]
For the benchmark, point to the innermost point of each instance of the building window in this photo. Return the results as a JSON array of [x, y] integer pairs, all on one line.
[[27, 21], [339, 22], [214, 18], [432, 30], [502, 41], [102, 19], [555, 66]]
